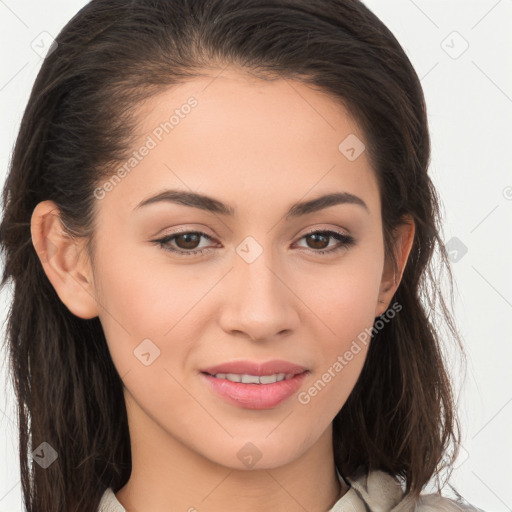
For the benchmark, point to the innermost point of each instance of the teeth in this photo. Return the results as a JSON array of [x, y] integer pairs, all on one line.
[[253, 379], [249, 379]]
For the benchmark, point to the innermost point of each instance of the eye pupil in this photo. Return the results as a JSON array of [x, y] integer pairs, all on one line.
[[315, 236], [188, 236]]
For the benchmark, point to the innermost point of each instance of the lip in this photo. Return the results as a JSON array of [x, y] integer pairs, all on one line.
[[255, 368], [255, 396]]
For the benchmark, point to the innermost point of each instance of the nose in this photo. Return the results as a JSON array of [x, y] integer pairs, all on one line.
[[258, 300]]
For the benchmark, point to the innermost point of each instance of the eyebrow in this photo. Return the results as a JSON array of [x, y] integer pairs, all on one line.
[[212, 205]]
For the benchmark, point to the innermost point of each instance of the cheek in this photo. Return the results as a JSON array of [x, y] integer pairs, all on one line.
[[343, 297], [349, 316], [343, 304], [143, 299], [131, 303], [134, 288], [342, 336]]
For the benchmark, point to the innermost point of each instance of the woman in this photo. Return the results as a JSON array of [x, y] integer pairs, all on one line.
[[219, 222]]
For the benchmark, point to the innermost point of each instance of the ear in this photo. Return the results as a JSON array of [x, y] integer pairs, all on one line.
[[404, 237], [64, 260]]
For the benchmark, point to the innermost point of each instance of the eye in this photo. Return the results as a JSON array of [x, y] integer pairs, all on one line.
[[187, 242], [320, 237]]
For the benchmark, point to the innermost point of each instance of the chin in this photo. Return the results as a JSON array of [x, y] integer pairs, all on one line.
[[258, 452]]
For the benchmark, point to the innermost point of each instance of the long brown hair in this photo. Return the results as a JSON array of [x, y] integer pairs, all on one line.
[[78, 124]]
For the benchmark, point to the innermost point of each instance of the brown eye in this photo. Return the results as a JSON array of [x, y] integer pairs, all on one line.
[[184, 244], [320, 241], [187, 240], [187, 243]]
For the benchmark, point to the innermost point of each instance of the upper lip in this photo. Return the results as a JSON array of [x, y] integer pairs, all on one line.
[[255, 368]]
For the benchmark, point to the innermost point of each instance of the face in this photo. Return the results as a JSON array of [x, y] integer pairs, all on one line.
[[185, 288]]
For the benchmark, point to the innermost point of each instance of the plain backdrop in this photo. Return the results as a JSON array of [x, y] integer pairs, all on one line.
[[462, 52]]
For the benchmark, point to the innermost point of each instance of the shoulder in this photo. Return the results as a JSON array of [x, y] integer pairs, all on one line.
[[383, 492], [109, 502]]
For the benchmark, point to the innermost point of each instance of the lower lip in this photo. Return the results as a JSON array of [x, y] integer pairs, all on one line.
[[255, 396]]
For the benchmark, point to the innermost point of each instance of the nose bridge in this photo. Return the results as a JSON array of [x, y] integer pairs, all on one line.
[[260, 303], [254, 266]]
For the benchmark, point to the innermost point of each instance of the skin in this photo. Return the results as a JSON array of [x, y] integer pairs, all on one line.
[[259, 147]]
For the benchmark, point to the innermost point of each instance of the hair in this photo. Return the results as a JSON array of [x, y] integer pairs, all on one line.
[[78, 125]]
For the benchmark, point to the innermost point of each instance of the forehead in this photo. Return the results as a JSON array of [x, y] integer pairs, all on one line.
[[243, 139]]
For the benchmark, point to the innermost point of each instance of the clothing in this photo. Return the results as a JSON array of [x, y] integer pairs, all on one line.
[[375, 492]]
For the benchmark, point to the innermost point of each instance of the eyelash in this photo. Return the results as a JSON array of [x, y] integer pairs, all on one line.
[[346, 242]]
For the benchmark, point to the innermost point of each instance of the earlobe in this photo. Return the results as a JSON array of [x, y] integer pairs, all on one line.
[[404, 238], [63, 261]]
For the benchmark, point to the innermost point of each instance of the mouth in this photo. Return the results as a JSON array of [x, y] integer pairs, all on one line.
[[246, 378], [251, 370], [255, 385]]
